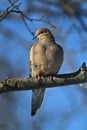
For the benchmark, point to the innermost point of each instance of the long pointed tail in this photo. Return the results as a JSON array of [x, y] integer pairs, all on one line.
[[37, 98]]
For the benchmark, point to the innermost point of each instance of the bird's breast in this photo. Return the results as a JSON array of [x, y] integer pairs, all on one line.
[[45, 59]]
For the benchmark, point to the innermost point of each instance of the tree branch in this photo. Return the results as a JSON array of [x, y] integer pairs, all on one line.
[[18, 84], [8, 10], [14, 8]]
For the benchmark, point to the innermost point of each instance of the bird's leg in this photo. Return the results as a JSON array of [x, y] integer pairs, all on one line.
[[39, 76], [50, 76]]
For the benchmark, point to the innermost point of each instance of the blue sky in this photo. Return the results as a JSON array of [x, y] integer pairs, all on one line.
[[63, 108]]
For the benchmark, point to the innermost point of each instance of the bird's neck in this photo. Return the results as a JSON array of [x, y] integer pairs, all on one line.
[[46, 39]]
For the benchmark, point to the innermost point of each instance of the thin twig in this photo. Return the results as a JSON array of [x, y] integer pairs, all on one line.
[[45, 21], [8, 10], [15, 8], [27, 26]]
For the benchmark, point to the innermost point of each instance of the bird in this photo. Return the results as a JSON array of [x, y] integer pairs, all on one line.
[[45, 59]]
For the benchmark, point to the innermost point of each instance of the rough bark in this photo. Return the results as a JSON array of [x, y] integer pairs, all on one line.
[[18, 84]]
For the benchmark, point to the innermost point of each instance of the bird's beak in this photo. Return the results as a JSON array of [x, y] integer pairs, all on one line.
[[34, 37]]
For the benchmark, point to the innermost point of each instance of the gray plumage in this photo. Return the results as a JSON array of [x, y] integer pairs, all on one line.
[[45, 58]]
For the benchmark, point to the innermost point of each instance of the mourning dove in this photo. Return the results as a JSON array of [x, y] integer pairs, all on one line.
[[45, 59]]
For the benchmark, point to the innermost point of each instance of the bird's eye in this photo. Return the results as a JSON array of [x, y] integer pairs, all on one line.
[[41, 32]]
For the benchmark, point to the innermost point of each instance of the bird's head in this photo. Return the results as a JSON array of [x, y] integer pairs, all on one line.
[[43, 33]]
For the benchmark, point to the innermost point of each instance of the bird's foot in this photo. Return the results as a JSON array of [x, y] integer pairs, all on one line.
[[51, 76], [39, 76]]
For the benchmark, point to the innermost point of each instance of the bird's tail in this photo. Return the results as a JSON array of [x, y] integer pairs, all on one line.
[[37, 98]]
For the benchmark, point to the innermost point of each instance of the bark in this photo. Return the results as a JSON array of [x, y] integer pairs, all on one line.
[[18, 84]]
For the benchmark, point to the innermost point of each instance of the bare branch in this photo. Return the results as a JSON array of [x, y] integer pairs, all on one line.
[[26, 25], [15, 8], [19, 84], [42, 19], [7, 11]]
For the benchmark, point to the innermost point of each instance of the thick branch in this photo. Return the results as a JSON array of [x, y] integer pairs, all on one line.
[[18, 84]]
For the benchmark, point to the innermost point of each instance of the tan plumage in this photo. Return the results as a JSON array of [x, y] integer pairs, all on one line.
[[45, 59]]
